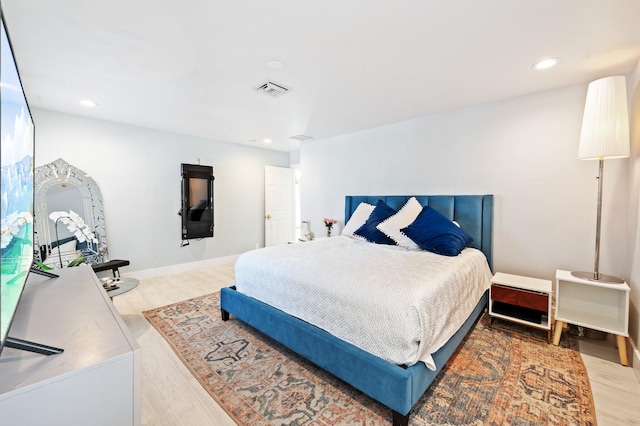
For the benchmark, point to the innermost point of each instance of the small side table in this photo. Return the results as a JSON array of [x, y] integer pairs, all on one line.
[[592, 304], [124, 285], [523, 300]]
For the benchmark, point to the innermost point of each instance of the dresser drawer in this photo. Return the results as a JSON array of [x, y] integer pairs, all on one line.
[[520, 297]]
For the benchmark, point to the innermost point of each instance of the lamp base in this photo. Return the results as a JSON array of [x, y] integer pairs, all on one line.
[[602, 278]]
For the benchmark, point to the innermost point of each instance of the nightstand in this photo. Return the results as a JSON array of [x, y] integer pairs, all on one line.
[[522, 300], [592, 304]]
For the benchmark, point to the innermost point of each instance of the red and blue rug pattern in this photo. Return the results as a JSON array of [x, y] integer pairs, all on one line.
[[495, 377]]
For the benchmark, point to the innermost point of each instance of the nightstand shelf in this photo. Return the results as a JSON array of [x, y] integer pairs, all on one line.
[[608, 325], [596, 305], [522, 300]]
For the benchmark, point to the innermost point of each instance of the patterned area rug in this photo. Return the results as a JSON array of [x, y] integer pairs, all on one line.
[[494, 378]]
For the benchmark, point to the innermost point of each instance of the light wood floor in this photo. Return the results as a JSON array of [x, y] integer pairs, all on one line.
[[172, 396]]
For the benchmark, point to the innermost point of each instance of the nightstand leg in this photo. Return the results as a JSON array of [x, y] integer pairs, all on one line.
[[622, 350], [558, 332]]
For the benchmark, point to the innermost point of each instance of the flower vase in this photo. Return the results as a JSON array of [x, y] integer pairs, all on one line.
[[329, 224]]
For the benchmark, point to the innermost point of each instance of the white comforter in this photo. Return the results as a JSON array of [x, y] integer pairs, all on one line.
[[397, 304]]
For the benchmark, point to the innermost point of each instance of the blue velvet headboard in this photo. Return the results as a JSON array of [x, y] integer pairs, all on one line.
[[474, 213]]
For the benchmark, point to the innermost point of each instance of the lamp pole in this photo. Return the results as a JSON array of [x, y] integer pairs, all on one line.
[[596, 262], [596, 275]]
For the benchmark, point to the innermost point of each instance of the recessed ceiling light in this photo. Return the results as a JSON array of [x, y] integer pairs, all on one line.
[[301, 138], [88, 103], [276, 65], [545, 63], [267, 141]]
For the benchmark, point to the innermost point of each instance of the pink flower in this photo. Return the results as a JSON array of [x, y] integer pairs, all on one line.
[[329, 222]]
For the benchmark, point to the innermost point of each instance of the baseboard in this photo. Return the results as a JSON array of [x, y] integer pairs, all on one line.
[[180, 268], [635, 359]]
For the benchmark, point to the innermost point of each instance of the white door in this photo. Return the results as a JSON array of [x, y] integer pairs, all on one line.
[[278, 205]]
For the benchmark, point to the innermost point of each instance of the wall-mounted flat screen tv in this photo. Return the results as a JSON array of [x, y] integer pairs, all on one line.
[[197, 201]]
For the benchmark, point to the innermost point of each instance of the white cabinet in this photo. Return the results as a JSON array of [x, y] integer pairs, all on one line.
[[592, 304], [95, 381]]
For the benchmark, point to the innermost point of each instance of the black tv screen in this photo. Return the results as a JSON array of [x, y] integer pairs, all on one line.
[[16, 182], [197, 201]]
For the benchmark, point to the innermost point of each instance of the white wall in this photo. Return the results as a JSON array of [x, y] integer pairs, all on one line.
[[138, 171], [524, 151], [633, 233]]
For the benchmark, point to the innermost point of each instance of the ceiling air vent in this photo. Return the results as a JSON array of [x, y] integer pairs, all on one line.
[[301, 138], [272, 89]]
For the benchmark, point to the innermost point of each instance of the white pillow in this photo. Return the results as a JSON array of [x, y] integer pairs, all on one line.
[[358, 218], [405, 217]]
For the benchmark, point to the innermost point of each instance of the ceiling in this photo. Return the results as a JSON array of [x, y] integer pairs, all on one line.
[[193, 67]]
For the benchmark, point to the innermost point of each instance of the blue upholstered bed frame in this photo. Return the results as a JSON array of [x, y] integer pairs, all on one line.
[[397, 387]]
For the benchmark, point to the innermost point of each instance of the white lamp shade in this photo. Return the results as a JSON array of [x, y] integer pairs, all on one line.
[[605, 125]]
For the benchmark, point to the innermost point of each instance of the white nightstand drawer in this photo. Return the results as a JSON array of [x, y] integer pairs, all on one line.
[[522, 300]]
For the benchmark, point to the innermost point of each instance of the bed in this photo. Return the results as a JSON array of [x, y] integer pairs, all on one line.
[[397, 385]]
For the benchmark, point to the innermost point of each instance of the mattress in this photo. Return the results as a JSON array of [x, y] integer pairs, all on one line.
[[397, 304]]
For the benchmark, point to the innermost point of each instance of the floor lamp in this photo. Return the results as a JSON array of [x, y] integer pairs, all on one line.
[[605, 134]]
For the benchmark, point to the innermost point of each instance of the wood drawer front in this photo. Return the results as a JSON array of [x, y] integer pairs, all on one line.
[[519, 297]]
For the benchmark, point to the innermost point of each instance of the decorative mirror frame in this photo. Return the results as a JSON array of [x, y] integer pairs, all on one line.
[[59, 172]]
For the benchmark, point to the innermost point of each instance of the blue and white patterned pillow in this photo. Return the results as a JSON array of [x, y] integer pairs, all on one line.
[[357, 219], [369, 231], [404, 217]]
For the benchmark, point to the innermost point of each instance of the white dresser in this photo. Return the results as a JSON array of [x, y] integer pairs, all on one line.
[[95, 381]]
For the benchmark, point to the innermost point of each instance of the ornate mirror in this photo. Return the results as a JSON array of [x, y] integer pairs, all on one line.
[[61, 187]]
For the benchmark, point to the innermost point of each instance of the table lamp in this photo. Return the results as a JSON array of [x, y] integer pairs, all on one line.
[[604, 134]]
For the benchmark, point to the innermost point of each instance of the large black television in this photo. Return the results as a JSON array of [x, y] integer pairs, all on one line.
[[197, 201], [17, 137]]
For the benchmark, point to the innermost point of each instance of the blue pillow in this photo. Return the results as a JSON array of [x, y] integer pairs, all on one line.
[[369, 232], [435, 233]]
